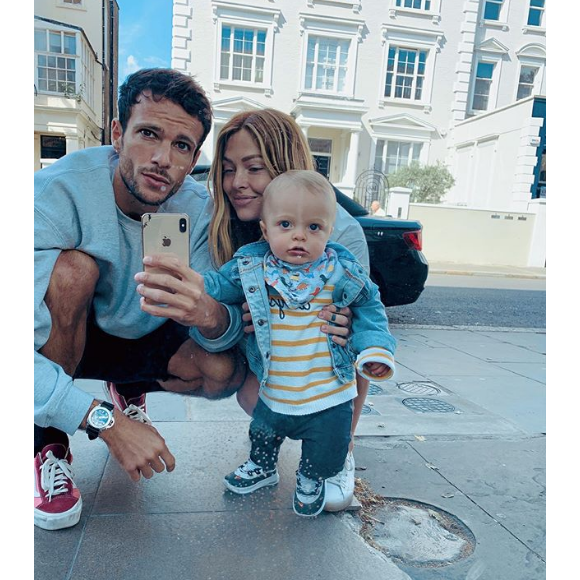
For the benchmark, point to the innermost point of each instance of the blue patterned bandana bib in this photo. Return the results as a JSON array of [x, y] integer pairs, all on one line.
[[298, 284]]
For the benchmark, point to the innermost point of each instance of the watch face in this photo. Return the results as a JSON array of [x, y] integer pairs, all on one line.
[[100, 417]]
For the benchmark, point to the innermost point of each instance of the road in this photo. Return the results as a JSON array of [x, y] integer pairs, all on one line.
[[452, 300]]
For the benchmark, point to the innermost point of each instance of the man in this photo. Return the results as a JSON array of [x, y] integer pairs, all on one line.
[[376, 209], [97, 315]]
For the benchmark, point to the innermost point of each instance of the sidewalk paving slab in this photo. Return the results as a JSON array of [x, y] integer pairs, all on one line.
[[54, 551], [534, 341], [488, 347], [390, 416], [205, 452], [447, 361], [503, 398], [223, 545], [534, 371]]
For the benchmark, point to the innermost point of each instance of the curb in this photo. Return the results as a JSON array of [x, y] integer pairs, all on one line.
[[472, 328], [489, 274]]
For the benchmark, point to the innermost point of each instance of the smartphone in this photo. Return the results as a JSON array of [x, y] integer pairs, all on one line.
[[164, 233]]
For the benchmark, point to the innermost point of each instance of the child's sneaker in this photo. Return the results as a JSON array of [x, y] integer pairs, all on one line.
[[340, 488], [249, 477], [57, 501], [309, 496]]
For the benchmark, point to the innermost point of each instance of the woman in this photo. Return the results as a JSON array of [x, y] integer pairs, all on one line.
[[252, 148]]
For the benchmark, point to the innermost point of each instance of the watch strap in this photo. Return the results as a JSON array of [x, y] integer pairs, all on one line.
[[93, 432]]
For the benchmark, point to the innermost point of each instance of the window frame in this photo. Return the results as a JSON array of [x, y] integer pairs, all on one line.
[[396, 73], [402, 128], [48, 28], [533, 54], [410, 39], [232, 53], [502, 21], [542, 10], [328, 155], [496, 61], [433, 12], [533, 86], [498, 3], [348, 82], [60, 138], [248, 17], [88, 63], [335, 29], [354, 4], [413, 143], [490, 103], [79, 6]]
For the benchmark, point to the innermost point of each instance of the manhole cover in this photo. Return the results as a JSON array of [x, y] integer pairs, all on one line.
[[375, 389], [420, 535], [366, 410], [421, 405], [419, 388]]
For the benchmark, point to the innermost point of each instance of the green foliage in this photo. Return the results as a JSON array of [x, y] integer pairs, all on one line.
[[429, 183]]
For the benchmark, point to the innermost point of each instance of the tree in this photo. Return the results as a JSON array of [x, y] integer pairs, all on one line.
[[429, 183]]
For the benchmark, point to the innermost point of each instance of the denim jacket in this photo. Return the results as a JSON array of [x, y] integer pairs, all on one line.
[[242, 279]]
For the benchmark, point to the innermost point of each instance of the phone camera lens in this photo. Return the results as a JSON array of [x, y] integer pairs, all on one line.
[[182, 225]]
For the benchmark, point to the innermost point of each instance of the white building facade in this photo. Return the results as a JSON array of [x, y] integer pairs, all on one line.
[[75, 75], [377, 84]]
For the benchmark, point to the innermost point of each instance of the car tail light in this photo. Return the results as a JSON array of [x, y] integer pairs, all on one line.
[[414, 239]]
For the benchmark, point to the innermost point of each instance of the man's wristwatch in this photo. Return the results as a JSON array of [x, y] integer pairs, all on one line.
[[99, 419]]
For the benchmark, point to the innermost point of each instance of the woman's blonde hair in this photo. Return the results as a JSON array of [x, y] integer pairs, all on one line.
[[282, 146]]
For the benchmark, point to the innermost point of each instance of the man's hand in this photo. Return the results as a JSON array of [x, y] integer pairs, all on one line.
[[377, 369], [340, 322], [178, 293], [247, 318], [139, 448]]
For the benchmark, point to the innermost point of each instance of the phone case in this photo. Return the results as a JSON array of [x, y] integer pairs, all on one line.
[[165, 233]]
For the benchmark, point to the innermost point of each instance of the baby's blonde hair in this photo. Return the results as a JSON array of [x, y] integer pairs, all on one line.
[[309, 180]]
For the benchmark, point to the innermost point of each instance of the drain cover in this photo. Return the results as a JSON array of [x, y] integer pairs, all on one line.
[[375, 389], [366, 410], [421, 405], [421, 535], [419, 388]]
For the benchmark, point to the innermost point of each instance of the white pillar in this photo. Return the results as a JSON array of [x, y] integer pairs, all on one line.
[[72, 143], [351, 161], [305, 130], [36, 151], [537, 255], [208, 147], [398, 203]]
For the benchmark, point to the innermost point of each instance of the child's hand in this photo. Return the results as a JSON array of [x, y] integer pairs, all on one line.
[[376, 369]]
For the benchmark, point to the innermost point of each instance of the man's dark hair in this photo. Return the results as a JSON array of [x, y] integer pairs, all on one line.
[[168, 84]]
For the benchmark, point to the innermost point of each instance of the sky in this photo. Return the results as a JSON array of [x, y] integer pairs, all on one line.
[[144, 35]]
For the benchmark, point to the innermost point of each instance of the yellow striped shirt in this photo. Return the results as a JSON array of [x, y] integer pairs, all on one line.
[[301, 379]]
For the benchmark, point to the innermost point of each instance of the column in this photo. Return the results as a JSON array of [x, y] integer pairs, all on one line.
[[72, 143], [351, 160], [537, 255]]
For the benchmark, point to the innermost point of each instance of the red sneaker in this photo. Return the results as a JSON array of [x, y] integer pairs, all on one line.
[[134, 408], [57, 501]]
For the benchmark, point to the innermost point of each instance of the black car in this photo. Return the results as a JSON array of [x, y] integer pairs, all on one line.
[[398, 265]]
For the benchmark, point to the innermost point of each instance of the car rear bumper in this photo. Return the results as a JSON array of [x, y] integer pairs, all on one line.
[[396, 289]]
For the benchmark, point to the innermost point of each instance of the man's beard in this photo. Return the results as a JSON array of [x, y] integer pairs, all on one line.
[[127, 171]]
